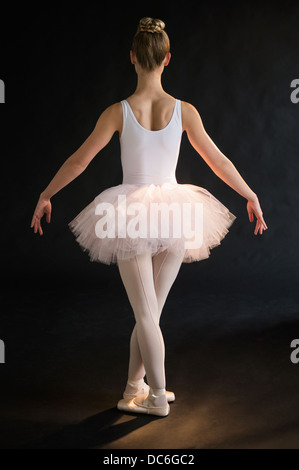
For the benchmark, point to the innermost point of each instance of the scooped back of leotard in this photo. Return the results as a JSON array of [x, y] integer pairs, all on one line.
[[150, 156]]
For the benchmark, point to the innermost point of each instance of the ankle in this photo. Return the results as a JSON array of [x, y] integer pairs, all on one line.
[[157, 399], [135, 383], [157, 392]]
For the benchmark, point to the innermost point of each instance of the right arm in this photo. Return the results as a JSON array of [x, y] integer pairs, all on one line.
[[219, 163], [108, 123]]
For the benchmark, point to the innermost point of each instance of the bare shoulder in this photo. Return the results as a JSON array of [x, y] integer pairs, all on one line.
[[113, 111], [190, 115], [112, 116]]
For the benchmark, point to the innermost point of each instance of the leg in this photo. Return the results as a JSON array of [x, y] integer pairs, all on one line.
[[137, 277], [165, 269]]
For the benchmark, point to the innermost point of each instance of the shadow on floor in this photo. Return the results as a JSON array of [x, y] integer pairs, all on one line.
[[95, 431]]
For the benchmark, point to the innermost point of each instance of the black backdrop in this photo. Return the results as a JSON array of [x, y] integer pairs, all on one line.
[[234, 61]]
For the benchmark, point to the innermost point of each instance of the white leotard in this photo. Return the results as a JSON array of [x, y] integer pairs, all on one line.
[[150, 156]]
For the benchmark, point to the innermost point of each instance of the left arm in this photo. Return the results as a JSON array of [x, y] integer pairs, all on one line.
[[108, 123]]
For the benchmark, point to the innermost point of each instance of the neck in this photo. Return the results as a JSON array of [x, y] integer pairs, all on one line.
[[149, 82]]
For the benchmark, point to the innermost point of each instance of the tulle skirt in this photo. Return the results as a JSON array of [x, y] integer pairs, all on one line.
[[131, 219]]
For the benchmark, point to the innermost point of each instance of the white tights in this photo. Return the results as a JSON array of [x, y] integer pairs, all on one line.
[[147, 280]]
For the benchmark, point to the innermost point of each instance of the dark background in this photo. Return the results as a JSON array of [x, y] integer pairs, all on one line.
[[66, 321]]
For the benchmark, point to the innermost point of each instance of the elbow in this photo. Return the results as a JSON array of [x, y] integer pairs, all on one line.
[[75, 165], [222, 166], [223, 163]]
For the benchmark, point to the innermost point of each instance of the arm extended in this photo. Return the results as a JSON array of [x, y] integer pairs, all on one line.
[[108, 123], [219, 163]]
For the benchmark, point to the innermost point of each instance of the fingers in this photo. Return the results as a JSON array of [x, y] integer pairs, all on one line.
[[42, 208], [36, 225], [256, 228], [255, 209], [260, 226], [260, 222], [265, 225]]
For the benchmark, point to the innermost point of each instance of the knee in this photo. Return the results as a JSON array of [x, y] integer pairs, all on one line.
[[144, 315]]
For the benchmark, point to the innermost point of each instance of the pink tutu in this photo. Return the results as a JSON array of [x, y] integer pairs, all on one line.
[[110, 226]]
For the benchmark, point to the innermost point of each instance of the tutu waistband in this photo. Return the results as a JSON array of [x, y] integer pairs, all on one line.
[[148, 179]]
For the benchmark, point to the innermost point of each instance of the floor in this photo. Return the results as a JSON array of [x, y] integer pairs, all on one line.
[[227, 360]]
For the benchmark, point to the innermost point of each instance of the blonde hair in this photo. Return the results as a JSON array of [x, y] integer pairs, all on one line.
[[150, 43]]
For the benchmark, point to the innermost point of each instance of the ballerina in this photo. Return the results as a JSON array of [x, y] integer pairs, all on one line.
[[150, 124]]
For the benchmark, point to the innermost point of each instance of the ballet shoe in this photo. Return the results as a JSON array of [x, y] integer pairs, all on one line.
[[144, 390], [145, 405]]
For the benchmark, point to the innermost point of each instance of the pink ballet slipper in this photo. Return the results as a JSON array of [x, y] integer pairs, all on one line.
[[144, 390], [145, 405]]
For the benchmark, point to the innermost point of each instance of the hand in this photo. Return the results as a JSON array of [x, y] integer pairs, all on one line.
[[43, 206], [253, 207]]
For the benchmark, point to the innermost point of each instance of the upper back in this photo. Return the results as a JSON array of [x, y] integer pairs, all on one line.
[[150, 140], [152, 114]]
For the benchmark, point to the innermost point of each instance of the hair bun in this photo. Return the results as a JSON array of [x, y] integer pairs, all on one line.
[[151, 25]]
